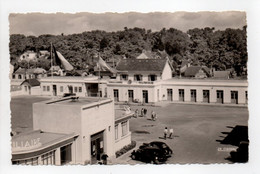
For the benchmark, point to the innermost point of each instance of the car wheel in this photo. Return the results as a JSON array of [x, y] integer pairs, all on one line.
[[133, 156]]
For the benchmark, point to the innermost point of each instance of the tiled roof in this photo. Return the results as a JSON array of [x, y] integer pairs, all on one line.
[[23, 71], [141, 65], [193, 70], [32, 82], [221, 74]]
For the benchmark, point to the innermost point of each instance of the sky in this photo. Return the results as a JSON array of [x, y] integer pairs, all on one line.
[[56, 23]]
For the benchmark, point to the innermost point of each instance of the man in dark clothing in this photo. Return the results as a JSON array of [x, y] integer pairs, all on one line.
[[104, 158]]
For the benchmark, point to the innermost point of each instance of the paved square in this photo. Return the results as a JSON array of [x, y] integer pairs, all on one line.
[[197, 128]]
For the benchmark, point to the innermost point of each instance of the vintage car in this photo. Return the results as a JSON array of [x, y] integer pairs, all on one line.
[[164, 148], [149, 154]]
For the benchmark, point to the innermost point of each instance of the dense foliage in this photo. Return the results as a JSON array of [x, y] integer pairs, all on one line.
[[220, 49]]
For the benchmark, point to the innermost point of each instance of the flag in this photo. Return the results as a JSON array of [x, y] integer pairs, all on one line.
[[59, 60], [102, 65]]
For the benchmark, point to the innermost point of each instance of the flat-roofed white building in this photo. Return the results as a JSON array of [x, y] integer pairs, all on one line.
[[72, 130]]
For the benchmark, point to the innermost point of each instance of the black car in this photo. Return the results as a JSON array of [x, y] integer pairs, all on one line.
[[164, 148], [149, 154]]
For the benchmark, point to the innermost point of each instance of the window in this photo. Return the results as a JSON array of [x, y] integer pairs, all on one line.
[[48, 88], [246, 95], [75, 89], [61, 88], [124, 77], [44, 88], [138, 77], [19, 76], [124, 128], [152, 77], [30, 161], [65, 154], [13, 76], [48, 158], [25, 88], [116, 132], [80, 89]]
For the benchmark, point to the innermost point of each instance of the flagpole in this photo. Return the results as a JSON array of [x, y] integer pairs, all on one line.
[[51, 71], [98, 76]]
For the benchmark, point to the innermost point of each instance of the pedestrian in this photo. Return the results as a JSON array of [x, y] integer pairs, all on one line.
[[136, 113], [165, 132], [104, 158], [142, 112], [145, 112], [171, 133], [153, 115]]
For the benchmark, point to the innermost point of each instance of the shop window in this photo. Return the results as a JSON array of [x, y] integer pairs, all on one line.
[[61, 88], [65, 154], [48, 158], [80, 89], [138, 77], [48, 88], [30, 161], [124, 128], [124, 77], [116, 132]]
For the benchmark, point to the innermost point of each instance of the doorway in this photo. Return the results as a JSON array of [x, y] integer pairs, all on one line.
[[145, 96], [97, 147], [206, 96], [220, 96], [169, 94], [234, 97], [130, 95], [54, 87]]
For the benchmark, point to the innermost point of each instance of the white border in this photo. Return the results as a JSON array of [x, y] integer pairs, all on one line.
[[99, 6]]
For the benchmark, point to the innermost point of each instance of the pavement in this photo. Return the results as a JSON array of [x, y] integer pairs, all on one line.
[[198, 131]]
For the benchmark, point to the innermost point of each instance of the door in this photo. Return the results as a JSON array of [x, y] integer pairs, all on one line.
[[206, 96], [54, 87], [234, 97], [29, 88], [116, 95], [130, 95], [145, 96], [181, 94], [219, 96], [169, 94], [97, 147], [70, 89], [193, 95]]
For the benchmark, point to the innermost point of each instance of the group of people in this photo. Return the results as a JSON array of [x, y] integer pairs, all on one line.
[[144, 112], [166, 133]]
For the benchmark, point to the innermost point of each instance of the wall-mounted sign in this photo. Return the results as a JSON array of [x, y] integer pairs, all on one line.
[[26, 145]]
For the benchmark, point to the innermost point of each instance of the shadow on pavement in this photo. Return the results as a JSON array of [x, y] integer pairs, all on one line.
[[237, 137]]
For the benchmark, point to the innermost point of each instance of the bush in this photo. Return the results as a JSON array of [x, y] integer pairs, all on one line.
[[125, 149]]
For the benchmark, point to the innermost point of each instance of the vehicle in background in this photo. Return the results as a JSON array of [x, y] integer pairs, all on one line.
[[164, 148], [149, 154]]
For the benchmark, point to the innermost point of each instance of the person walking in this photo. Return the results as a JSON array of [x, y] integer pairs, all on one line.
[[153, 116], [165, 132], [142, 112], [171, 133], [136, 113], [145, 112]]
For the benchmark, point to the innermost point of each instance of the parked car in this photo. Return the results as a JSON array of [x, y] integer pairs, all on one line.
[[164, 148], [241, 154], [149, 154]]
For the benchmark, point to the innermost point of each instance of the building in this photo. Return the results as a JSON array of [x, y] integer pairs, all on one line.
[[86, 86], [197, 72], [205, 91], [138, 80], [29, 56], [31, 87], [72, 130]]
